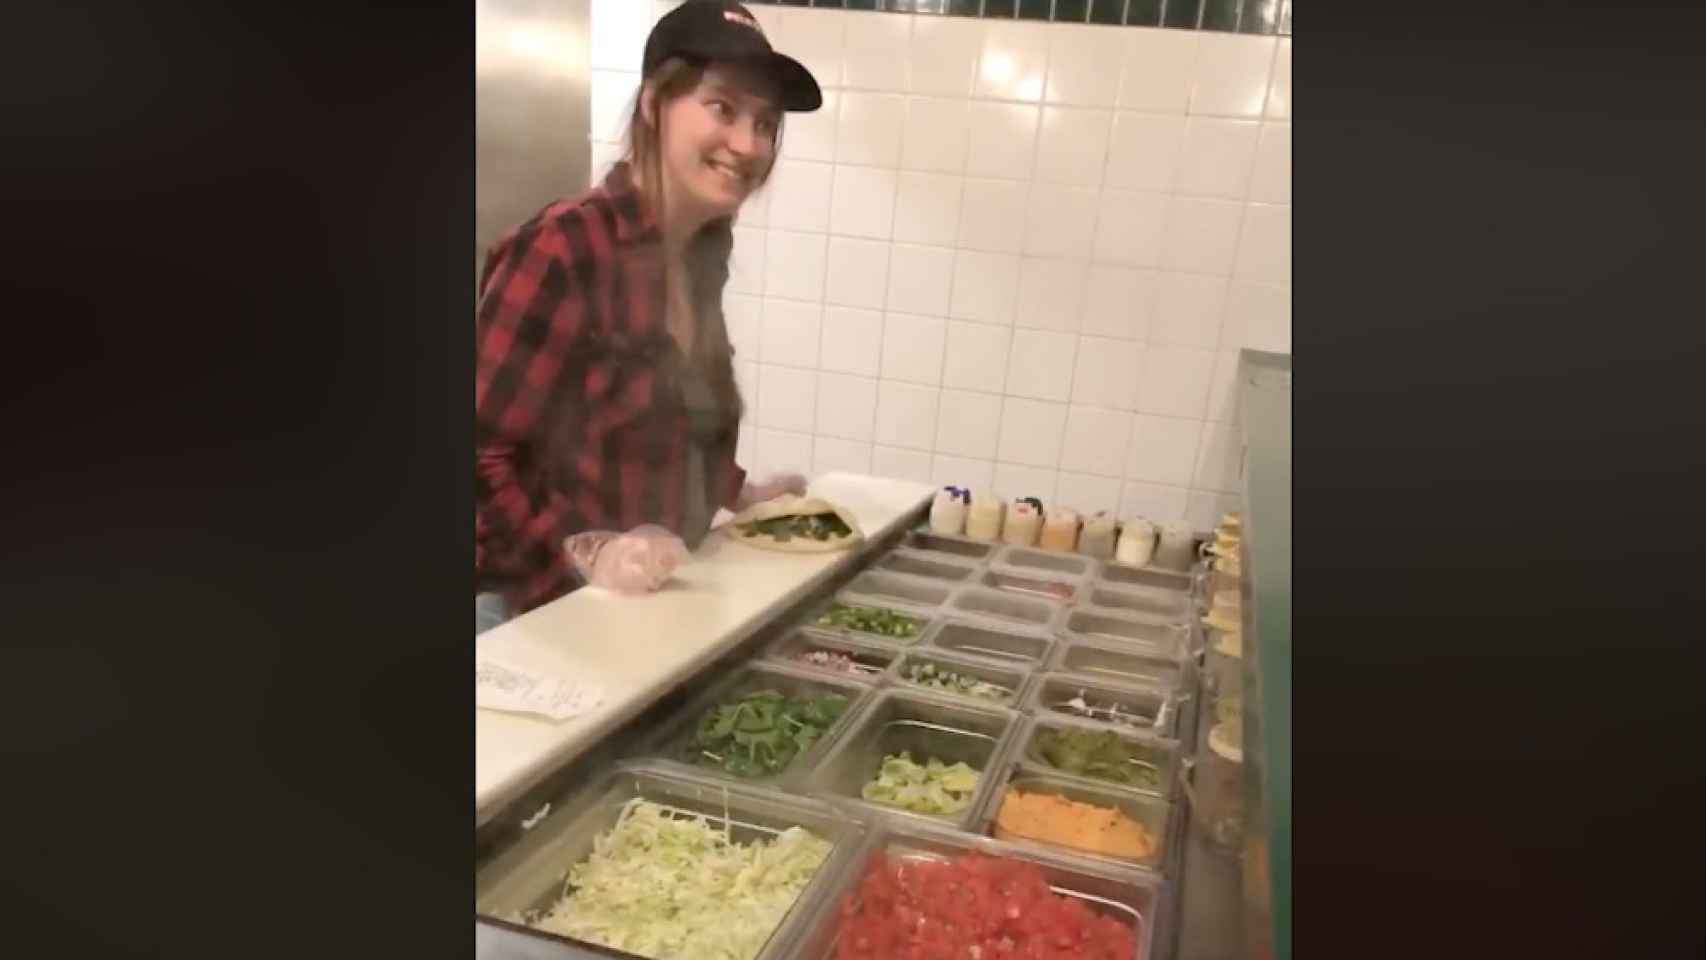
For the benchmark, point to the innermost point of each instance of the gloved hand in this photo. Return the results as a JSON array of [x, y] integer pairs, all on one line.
[[639, 561], [770, 489]]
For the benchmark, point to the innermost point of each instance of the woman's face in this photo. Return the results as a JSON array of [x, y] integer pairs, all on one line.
[[719, 139]]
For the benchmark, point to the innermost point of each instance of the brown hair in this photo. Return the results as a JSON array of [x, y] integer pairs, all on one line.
[[706, 257]]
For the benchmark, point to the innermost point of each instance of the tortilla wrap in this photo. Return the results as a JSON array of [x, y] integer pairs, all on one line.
[[789, 505]]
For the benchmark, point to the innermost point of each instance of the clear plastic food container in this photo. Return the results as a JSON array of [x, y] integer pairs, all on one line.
[[1006, 607], [926, 726], [1121, 664], [1145, 708], [1029, 584], [677, 744], [917, 563], [869, 661], [990, 643], [529, 877], [1159, 639], [963, 548], [1150, 811], [1123, 575], [1133, 897], [1167, 605], [1015, 678], [1146, 751], [1051, 562], [922, 616], [877, 588]]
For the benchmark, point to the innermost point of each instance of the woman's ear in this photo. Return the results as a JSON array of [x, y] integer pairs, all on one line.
[[649, 104]]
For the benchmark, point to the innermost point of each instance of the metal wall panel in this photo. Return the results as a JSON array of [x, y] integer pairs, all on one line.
[[531, 100]]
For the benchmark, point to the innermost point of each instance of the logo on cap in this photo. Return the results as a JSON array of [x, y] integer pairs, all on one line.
[[743, 18]]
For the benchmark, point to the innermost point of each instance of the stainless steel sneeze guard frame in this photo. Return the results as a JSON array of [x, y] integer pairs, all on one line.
[[1266, 612]]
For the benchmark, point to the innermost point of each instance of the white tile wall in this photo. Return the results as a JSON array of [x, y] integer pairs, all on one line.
[[863, 204], [1002, 139], [870, 128], [858, 273], [794, 265], [1072, 146], [1270, 181], [912, 348], [787, 398], [1050, 293], [1157, 72], [1006, 253], [799, 193], [988, 212], [906, 415], [921, 279], [976, 357], [1144, 150], [811, 136], [875, 57], [829, 454], [1014, 63], [927, 209], [962, 471], [1041, 365], [900, 463], [986, 285], [846, 406], [935, 134], [790, 333], [943, 58], [852, 341], [1081, 63], [969, 424]]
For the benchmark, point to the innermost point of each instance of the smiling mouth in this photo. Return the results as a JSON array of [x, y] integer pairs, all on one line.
[[728, 172]]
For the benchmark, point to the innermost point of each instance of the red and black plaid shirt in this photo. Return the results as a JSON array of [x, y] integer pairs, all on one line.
[[574, 427]]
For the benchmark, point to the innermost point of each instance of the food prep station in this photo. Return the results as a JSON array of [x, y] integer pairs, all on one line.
[[1044, 627], [1056, 645]]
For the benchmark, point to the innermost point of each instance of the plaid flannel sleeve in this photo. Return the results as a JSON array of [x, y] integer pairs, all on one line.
[[529, 313]]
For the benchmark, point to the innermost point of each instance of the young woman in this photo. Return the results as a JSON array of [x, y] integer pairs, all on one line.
[[604, 392]]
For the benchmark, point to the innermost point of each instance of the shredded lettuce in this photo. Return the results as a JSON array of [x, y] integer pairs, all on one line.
[[934, 787], [663, 886]]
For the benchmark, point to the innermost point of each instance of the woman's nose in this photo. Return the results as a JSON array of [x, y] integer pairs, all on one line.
[[745, 141]]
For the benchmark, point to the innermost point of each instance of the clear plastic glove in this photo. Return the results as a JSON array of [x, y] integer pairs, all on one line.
[[639, 561], [770, 489]]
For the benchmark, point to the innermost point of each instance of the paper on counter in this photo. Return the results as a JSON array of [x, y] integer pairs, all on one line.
[[502, 685]]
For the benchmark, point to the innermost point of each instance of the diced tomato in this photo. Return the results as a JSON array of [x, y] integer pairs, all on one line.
[[974, 908]]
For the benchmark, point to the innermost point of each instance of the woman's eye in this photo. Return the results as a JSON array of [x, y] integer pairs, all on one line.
[[722, 109]]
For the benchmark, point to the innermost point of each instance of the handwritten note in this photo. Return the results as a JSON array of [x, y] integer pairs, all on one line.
[[501, 685]]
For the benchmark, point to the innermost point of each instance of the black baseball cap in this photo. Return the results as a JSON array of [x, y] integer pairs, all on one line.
[[723, 30]]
